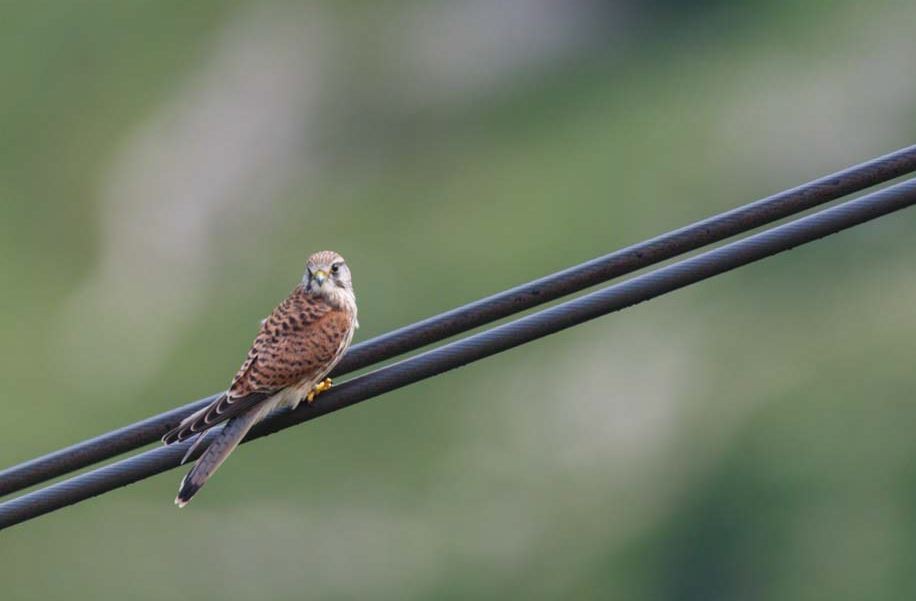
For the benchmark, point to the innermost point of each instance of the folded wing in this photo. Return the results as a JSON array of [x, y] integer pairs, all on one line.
[[300, 341]]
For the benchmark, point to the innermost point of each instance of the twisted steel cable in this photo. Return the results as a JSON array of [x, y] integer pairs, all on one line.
[[498, 306], [484, 344]]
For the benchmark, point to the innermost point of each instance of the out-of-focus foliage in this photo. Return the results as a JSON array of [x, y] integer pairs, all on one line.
[[166, 167]]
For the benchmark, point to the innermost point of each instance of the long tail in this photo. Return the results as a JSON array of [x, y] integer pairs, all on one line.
[[226, 441]]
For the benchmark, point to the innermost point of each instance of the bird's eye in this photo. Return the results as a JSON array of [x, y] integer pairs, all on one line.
[[335, 268]]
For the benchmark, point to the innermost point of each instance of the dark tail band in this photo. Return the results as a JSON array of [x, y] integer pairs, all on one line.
[[226, 441]]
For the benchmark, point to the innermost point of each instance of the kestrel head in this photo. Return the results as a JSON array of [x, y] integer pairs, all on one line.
[[326, 274]]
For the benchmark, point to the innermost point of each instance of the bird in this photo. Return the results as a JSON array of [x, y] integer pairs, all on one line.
[[295, 349]]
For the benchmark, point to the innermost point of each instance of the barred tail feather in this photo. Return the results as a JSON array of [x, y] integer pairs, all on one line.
[[199, 439], [226, 441], [186, 429], [222, 409]]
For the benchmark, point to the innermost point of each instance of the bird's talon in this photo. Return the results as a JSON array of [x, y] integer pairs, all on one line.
[[320, 387]]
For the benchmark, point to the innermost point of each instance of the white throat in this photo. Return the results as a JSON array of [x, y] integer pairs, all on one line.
[[340, 298]]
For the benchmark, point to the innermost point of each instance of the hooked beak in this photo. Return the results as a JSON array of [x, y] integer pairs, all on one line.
[[320, 277]]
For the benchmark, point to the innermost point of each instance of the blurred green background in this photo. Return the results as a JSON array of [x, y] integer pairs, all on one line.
[[166, 167]]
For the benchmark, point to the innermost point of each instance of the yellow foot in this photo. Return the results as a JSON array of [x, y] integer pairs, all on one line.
[[319, 388]]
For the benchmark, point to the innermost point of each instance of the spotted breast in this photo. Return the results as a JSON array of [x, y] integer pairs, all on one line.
[[298, 345]]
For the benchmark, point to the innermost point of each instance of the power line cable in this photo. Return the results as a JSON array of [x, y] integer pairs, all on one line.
[[498, 306], [486, 343]]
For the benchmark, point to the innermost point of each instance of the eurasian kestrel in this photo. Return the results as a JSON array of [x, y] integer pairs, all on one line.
[[297, 346]]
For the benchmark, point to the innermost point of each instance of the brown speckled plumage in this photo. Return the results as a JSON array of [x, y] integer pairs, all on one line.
[[297, 342], [296, 346]]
